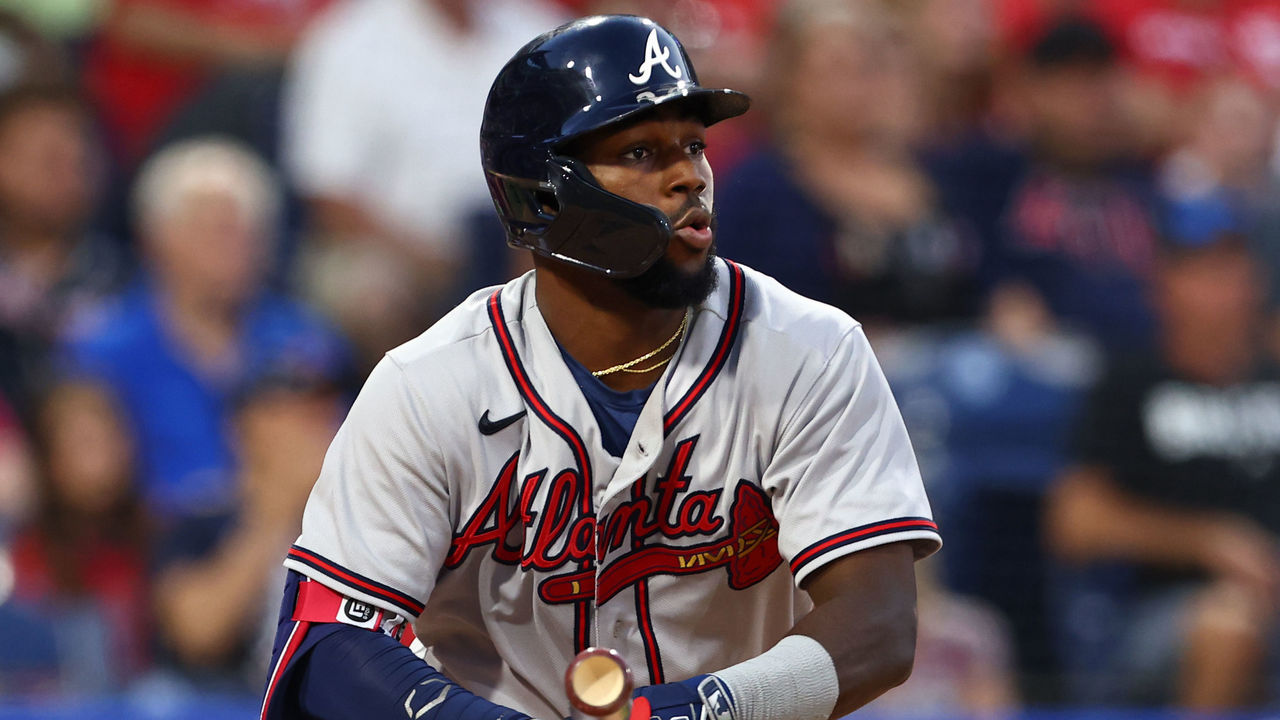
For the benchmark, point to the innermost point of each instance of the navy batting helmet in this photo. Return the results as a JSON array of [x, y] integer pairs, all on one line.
[[581, 77]]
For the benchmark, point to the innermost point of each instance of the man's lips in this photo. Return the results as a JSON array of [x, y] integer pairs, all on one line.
[[694, 228], [697, 238]]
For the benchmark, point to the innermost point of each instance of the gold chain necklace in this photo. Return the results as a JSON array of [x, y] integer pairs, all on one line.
[[627, 366]]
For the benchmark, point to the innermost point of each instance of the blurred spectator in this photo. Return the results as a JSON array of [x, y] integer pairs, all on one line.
[[836, 208], [1077, 225], [173, 347], [1173, 47], [382, 111], [80, 566], [152, 55], [1177, 471], [1223, 170], [50, 263], [954, 41], [1227, 150], [219, 577], [963, 665], [989, 412]]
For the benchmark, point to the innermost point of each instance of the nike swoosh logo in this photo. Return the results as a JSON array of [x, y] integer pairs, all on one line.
[[489, 427]]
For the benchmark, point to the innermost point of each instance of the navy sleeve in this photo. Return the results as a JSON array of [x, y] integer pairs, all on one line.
[[332, 671]]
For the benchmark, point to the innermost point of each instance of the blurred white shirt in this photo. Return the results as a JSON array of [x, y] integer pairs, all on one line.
[[384, 102]]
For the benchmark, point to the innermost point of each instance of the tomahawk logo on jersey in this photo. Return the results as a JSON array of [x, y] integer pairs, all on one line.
[[727, 474]]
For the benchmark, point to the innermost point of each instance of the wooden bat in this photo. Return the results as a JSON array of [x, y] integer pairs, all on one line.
[[599, 684]]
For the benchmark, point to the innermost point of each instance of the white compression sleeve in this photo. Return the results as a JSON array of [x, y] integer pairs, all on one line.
[[795, 679]]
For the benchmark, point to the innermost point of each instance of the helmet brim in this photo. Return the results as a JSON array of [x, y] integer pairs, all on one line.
[[710, 105]]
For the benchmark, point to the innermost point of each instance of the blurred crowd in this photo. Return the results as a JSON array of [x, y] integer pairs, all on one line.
[[1059, 221]]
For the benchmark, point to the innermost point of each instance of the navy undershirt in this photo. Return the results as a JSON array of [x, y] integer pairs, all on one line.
[[616, 411]]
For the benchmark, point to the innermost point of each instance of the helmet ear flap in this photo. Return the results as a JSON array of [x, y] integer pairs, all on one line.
[[526, 206], [599, 230], [571, 218]]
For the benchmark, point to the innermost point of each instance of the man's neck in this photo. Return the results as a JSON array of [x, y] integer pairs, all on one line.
[[600, 325]]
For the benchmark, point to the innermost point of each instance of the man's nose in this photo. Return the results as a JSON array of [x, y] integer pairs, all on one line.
[[684, 177]]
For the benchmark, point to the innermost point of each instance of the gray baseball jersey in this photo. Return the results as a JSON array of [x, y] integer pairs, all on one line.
[[468, 489]]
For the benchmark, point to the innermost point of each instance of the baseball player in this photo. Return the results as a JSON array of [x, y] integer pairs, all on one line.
[[636, 445]]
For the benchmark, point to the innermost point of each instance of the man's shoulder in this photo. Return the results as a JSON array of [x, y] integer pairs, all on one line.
[[775, 314], [454, 367], [455, 336]]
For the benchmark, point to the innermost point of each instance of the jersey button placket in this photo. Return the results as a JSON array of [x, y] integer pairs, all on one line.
[[596, 506]]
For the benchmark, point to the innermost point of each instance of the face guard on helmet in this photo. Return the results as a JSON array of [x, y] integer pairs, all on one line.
[[580, 77]]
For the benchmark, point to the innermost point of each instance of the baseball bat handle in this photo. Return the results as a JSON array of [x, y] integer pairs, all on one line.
[[598, 684]]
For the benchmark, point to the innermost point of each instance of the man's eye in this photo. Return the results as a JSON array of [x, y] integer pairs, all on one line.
[[636, 153], [697, 147]]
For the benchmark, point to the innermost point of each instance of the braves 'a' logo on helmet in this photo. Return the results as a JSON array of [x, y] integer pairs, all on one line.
[[654, 54]]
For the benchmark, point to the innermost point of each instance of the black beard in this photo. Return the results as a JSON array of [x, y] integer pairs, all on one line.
[[667, 287]]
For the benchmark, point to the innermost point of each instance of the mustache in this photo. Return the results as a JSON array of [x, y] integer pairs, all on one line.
[[691, 213]]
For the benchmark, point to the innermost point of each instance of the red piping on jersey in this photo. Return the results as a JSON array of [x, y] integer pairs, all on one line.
[[645, 621], [336, 571], [728, 336], [859, 533], [540, 408], [291, 645], [644, 618], [582, 619]]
